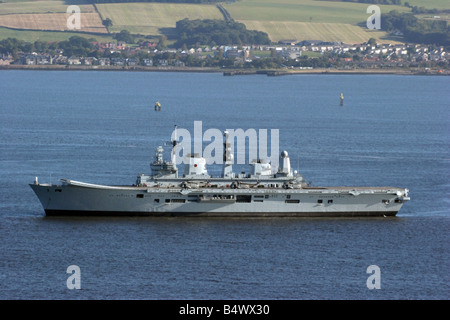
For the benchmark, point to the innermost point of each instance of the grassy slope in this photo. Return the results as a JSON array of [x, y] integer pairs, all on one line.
[[281, 19], [308, 19], [317, 31], [53, 6], [29, 14], [31, 36], [153, 18]]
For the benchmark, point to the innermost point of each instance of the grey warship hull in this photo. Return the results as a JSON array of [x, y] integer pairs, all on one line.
[[75, 198], [260, 193]]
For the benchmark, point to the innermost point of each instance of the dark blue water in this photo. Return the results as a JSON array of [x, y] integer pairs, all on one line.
[[100, 127]]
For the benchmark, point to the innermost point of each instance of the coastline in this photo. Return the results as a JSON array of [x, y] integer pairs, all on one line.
[[226, 72]]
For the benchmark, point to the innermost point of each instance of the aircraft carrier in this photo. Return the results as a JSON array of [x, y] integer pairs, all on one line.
[[258, 193]]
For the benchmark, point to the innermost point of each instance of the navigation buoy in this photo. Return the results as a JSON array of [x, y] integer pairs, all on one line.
[[157, 106], [342, 99]]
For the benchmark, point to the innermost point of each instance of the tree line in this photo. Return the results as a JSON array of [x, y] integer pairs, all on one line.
[[216, 32], [417, 30], [75, 46]]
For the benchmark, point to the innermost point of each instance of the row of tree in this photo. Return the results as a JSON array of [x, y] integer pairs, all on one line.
[[76, 45], [417, 30], [422, 10]]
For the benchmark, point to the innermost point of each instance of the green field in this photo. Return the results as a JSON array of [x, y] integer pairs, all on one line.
[[317, 31], [309, 19], [32, 36], [280, 19], [303, 11], [153, 18], [45, 20], [49, 6]]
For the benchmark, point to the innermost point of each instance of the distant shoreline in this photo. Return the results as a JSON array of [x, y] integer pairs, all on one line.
[[226, 72]]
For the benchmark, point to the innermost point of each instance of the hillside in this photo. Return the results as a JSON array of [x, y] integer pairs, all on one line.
[[45, 20], [280, 19], [308, 19], [154, 18]]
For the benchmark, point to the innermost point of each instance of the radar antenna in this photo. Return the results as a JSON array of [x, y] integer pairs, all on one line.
[[174, 144]]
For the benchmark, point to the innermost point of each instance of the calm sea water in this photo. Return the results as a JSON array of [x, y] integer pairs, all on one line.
[[100, 127]]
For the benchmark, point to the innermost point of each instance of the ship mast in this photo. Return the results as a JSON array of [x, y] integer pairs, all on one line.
[[174, 144], [227, 157]]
